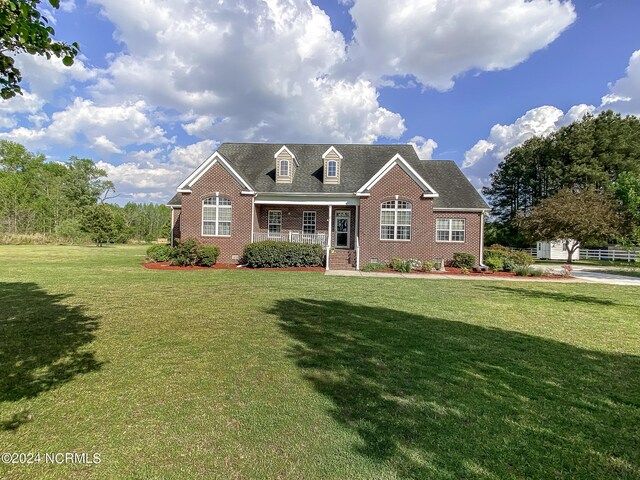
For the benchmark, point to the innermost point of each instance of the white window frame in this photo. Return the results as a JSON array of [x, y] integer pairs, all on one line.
[[269, 223], [216, 223], [450, 230], [335, 173], [308, 224], [284, 161], [395, 224]]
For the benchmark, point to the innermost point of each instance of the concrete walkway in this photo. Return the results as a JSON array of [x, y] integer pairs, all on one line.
[[580, 275]]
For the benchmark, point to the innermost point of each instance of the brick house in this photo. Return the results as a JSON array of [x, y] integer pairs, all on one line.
[[363, 203]]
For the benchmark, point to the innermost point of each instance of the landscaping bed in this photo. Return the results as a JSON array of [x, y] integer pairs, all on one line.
[[471, 273], [225, 266]]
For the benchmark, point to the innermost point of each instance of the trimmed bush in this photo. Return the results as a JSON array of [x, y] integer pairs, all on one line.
[[192, 253], [270, 254], [521, 258], [399, 265], [523, 271], [494, 263], [374, 267], [463, 260], [427, 266], [159, 253]]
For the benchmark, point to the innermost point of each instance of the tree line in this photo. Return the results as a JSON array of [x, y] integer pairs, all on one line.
[[63, 200], [599, 154]]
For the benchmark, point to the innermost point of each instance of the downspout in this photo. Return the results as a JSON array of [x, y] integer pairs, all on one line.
[[481, 259], [253, 214], [172, 226], [357, 236], [328, 240]]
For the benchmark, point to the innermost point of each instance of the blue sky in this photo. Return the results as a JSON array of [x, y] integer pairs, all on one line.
[[160, 84]]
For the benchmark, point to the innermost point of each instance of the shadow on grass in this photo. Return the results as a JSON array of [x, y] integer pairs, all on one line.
[[546, 294], [431, 398], [43, 343]]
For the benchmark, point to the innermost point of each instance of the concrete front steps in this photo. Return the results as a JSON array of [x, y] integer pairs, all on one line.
[[342, 259]]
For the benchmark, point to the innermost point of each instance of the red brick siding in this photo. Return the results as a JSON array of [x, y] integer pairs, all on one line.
[[217, 179], [422, 244]]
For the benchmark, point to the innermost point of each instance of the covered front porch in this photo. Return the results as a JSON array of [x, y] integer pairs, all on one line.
[[334, 227]]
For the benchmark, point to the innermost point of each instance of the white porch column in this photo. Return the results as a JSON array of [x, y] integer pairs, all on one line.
[[253, 214], [357, 242], [481, 260], [329, 238]]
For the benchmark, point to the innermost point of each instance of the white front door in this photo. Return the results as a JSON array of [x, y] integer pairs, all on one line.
[[343, 229]]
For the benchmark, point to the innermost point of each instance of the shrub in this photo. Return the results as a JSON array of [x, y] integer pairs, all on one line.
[[159, 253], [463, 260], [373, 267], [536, 272], [427, 266], [521, 258], [415, 264], [508, 264], [191, 253], [209, 255], [494, 263], [567, 270], [270, 254], [523, 271], [399, 265], [464, 270]]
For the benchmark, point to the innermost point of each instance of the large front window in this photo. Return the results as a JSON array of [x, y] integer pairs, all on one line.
[[309, 222], [395, 220], [449, 230], [275, 223], [216, 217]]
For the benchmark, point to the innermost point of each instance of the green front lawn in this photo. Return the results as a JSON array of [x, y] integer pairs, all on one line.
[[253, 374]]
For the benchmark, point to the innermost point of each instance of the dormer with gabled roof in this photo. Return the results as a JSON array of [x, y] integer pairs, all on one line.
[[286, 164], [332, 160]]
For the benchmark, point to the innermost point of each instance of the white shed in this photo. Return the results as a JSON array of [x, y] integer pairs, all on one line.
[[554, 250]]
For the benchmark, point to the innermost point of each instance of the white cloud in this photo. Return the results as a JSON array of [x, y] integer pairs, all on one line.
[[103, 145], [481, 159], [103, 127], [139, 176], [256, 71], [194, 154], [424, 147], [44, 76], [624, 94], [437, 40]]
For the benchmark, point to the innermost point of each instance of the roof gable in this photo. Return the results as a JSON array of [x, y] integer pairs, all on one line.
[[408, 169], [216, 157]]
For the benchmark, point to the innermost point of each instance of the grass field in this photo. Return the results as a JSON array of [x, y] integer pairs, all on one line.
[[250, 374]]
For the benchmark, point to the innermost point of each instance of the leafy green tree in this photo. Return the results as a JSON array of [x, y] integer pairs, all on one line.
[[99, 223], [23, 29], [626, 190], [582, 217]]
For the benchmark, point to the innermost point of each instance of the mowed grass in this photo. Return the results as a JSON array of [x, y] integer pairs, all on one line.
[[253, 374]]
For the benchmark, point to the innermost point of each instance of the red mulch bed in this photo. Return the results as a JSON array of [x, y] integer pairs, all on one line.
[[458, 271], [226, 266]]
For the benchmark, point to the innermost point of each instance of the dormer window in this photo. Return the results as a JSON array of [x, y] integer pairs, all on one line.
[[286, 164], [284, 168], [332, 168], [332, 160]]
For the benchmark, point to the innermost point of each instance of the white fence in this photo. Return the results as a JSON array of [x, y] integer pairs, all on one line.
[[295, 237], [598, 254]]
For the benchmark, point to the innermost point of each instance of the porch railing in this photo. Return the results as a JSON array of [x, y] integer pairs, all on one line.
[[294, 237]]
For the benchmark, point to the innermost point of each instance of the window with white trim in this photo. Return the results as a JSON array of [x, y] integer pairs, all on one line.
[[275, 223], [216, 217], [395, 220], [309, 222], [284, 168], [332, 168], [449, 230]]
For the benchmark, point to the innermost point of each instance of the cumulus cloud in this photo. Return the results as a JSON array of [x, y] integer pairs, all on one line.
[[243, 72], [193, 155], [624, 94], [103, 127], [481, 159], [437, 40], [424, 147]]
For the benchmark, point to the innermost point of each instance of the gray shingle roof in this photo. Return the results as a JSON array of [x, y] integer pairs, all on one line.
[[175, 200], [255, 163]]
